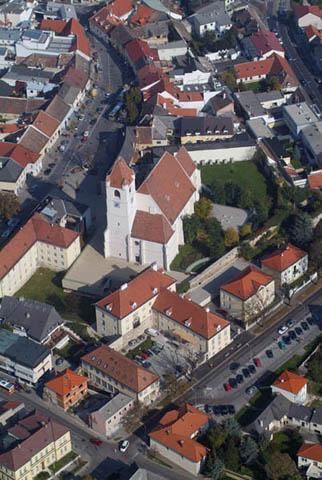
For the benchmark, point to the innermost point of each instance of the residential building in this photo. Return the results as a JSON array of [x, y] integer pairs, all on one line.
[[22, 358], [36, 320], [8, 410], [315, 180], [220, 105], [15, 12], [286, 264], [298, 116], [66, 389], [292, 386], [16, 162], [204, 129], [311, 137], [36, 244], [175, 438], [145, 224], [247, 295], [262, 44], [108, 419], [67, 213], [34, 444], [309, 459], [253, 105], [212, 18], [308, 15], [113, 372]]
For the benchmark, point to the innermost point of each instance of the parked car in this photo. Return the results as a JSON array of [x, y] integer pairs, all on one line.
[[292, 335], [257, 362], [289, 323], [146, 364], [305, 326], [298, 330], [282, 329], [269, 353], [124, 445], [246, 372], [144, 355], [231, 409], [252, 369], [96, 441], [251, 390], [281, 345], [286, 339], [224, 410], [239, 378], [59, 361], [227, 387], [216, 409], [234, 366], [310, 320], [233, 383]]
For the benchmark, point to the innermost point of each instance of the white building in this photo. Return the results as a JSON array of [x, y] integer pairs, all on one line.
[[286, 264], [291, 386], [309, 458], [144, 225], [307, 15], [297, 116]]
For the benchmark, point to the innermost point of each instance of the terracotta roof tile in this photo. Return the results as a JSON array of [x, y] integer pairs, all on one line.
[[185, 161], [151, 227], [283, 258], [18, 153], [120, 368], [315, 180], [56, 26], [301, 10], [35, 229], [312, 451], [169, 186], [121, 174], [136, 293], [311, 31], [143, 135], [33, 140], [65, 382], [71, 27], [17, 106], [58, 108], [247, 283], [189, 314], [265, 41], [46, 123], [176, 430], [291, 382], [142, 15], [138, 49]]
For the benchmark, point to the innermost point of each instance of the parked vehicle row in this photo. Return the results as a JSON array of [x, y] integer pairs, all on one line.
[[220, 409], [245, 373]]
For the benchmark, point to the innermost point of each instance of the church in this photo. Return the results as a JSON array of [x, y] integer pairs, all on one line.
[[144, 224]]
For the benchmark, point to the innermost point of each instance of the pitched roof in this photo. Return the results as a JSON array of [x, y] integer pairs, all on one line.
[[311, 32], [71, 27], [283, 258], [18, 106], [121, 174], [312, 451], [120, 368], [177, 427], [34, 140], [136, 293], [290, 381], [66, 382], [46, 123], [302, 10], [265, 41], [151, 227], [189, 314], [142, 14], [58, 108], [247, 283], [35, 229], [315, 180], [18, 153], [138, 49], [169, 186], [185, 161], [56, 26]]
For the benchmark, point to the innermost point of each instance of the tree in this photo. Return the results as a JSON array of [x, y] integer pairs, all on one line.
[[248, 450], [274, 83], [280, 466], [216, 437], [203, 208], [228, 77], [214, 467], [300, 229], [318, 230], [245, 230], [231, 237], [315, 254], [261, 213], [233, 194], [9, 204], [191, 225], [232, 427], [230, 454], [214, 238]]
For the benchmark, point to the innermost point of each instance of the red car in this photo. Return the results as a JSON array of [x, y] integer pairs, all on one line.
[[96, 441], [144, 355], [227, 387], [257, 362]]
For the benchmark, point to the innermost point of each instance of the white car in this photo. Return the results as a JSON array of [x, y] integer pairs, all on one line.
[[124, 445], [282, 330]]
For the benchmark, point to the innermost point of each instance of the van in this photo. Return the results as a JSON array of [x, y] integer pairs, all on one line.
[[152, 332]]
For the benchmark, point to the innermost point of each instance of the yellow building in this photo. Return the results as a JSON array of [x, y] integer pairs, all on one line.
[[41, 443]]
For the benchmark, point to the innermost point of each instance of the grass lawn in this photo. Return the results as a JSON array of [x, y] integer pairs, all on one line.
[[45, 286], [186, 256], [244, 174], [55, 467]]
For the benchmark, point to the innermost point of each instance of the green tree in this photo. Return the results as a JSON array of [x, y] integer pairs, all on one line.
[[216, 437], [261, 213], [214, 467], [191, 225], [233, 194], [230, 454], [203, 208], [214, 238], [231, 237], [280, 466], [232, 427], [274, 83], [229, 78], [248, 450], [245, 230], [300, 229], [315, 254], [9, 204]]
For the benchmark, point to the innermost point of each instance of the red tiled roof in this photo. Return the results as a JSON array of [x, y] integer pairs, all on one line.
[[291, 382], [151, 227], [247, 283], [18, 153], [36, 229], [137, 292], [104, 19], [169, 186], [176, 430], [65, 383], [185, 161], [265, 41], [56, 26], [173, 109], [142, 15], [46, 123], [72, 27], [34, 140], [120, 368], [283, 258], [312, 451], [121, 174], [301, 10], [312, 32], [7, 128], [138, 49], [148, 75], [120, 8], [189, 314], [315, 180]]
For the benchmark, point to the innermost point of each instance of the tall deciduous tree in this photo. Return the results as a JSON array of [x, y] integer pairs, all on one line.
[[203, 208], [300, 229], [231, 237], [9, 204]]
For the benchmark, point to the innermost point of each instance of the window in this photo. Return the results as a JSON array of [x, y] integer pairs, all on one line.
[[117, 194]]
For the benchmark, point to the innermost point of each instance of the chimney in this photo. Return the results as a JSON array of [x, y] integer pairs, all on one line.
[[124, 286], [154, 266], [207, 309]]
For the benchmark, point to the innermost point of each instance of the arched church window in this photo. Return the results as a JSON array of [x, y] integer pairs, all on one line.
[[117, 194]]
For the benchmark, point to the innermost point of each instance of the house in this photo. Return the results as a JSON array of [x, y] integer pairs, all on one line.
[[35, 442], [286, 264], [311, 138], [175, 438], [37, 243], [144, 224], [15, 164], [309, 459], [35, 320], [212, 18], [297, 116], [14, 13], [292, 386], [273, 417], [315, 180], [204, 129], [248, 294], [308, 15], [113, 372], [23, 358], [67, 213], [220, 105], [9, 409], [66, 389], [108, 419], [262, 44]]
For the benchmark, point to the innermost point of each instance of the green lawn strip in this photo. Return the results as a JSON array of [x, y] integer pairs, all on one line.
[[42, 476], [55, 467], [148, 343], [186, 256]]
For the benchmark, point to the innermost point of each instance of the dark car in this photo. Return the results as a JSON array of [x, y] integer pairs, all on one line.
[[231, 409], [224, 410], [47, 171], [298, 331], [246, 372], [216, 410], [233, 383], [59, 361], [289, 323], [305, 326], [207, 408], [292, 335], [234, 366], [251, 369], [310, 320], [286, 339], [239, 378], [269, 354]]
